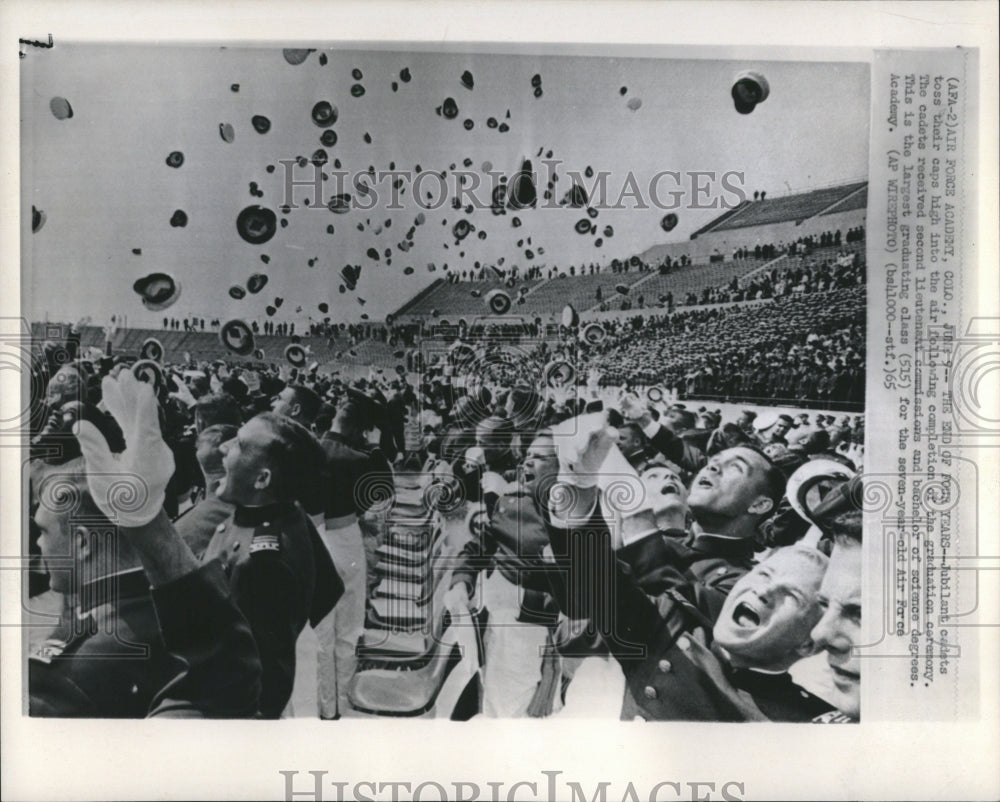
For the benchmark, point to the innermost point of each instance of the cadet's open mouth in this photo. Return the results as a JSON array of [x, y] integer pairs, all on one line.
[[746, 616]]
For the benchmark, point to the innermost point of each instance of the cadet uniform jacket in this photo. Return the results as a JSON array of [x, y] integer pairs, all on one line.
[[509, 544], [677, 449], [197, 526], [355, 480], [182, 649], [281, 576]]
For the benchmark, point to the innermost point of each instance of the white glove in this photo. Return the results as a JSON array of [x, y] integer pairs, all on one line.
[[129, 488], [493, 482], [582, 444], [634, 410], [183, 393], [476, 457]]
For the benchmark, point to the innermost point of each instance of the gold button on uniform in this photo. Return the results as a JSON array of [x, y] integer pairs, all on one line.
[[649, 691], [664, 666]]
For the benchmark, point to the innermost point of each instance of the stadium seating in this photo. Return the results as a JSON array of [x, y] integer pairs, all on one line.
[[796, 207], [858, 200], [456, 300], [816, 256], [581, 291], [712, 345], [690, 278]]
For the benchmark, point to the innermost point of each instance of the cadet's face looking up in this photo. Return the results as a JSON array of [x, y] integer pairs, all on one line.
[[664, 489], [730, 482], [541, 459], [839, 630], [54, 543], [767, 617], [243, 461]]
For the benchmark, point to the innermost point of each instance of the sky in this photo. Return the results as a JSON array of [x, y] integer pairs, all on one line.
[[102, 180]]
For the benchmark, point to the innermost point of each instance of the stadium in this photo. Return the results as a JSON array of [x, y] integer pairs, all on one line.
[[426, 341]]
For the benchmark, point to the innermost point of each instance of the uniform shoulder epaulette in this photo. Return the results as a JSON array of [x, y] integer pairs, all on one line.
[[717, 571], [265, 539]]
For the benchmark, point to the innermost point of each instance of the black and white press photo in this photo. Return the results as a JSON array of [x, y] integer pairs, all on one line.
[[486, 417]]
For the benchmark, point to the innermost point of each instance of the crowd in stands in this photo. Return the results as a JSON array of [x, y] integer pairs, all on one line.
[[615, 266], [190, 324], [805, 350], [845, 270], [802, 245]]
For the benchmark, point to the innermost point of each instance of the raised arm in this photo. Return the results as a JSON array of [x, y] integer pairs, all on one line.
[[219, 668]]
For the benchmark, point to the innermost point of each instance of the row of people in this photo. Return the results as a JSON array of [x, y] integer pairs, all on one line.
[[792, 280], [278, 512]]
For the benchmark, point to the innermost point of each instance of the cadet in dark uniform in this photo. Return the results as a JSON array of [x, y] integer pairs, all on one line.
[[198, 524], [521, 610], [279, 572], [493, 451], [762, 630], [728, 499], [647, 615], [355, 480], [779, 430], [667, 436], [126, 650], [83, 667], [634, 446]]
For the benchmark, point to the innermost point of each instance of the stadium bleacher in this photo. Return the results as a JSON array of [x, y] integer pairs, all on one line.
[[547, 297], [816, 256], [581, 291], [797, 207], [456, 299], [690, 278], [858, 200]]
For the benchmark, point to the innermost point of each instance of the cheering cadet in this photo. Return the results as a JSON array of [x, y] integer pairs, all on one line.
[[356, 480], [280, 574], [140, 591]]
